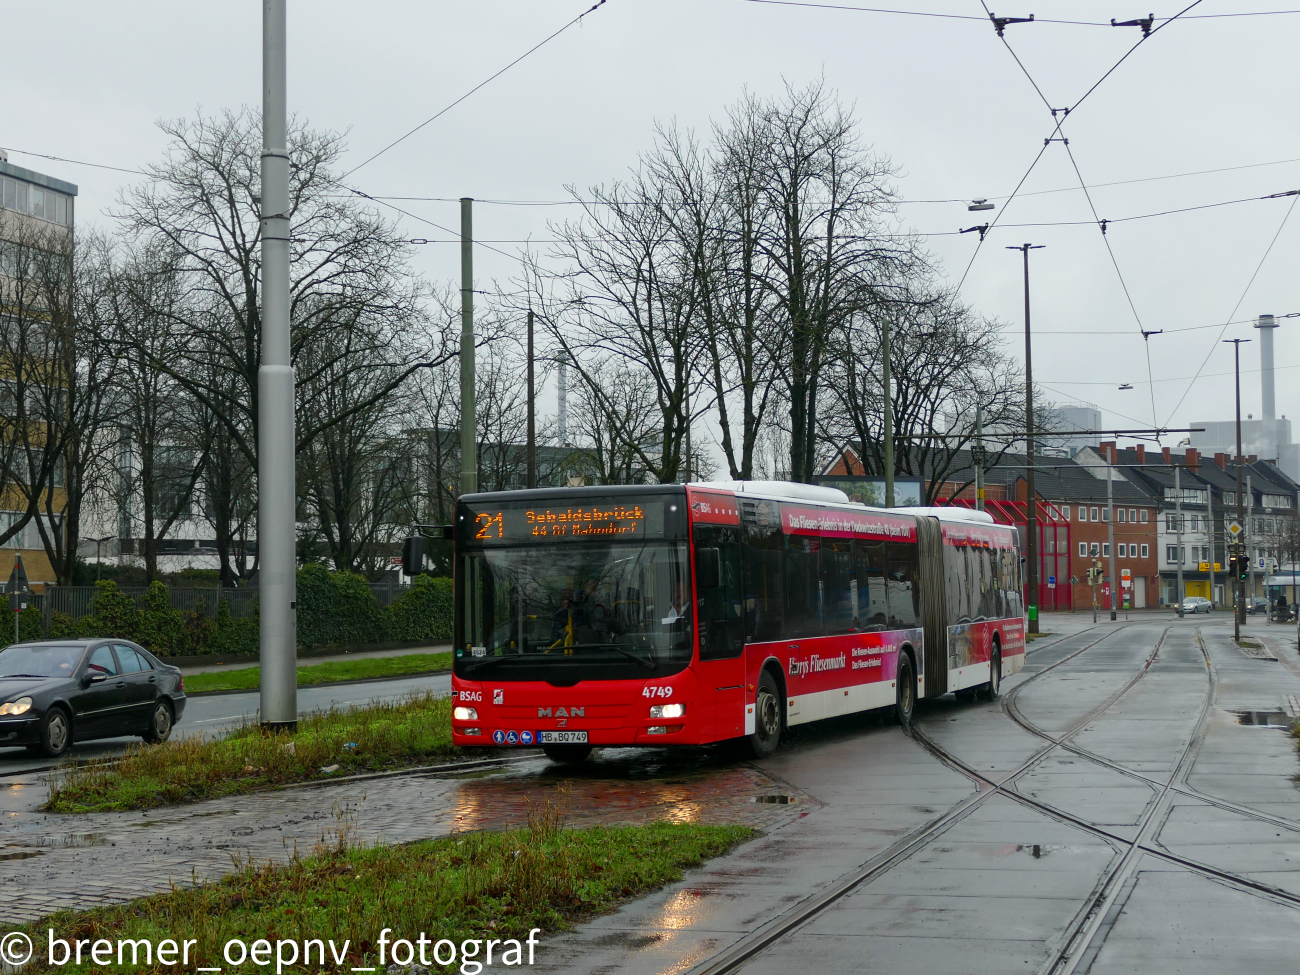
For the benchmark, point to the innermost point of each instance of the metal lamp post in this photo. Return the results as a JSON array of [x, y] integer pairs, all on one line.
[[276, 468], [1031, 499]]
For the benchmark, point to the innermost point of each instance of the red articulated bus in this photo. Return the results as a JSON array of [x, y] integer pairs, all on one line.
[[689, 614]]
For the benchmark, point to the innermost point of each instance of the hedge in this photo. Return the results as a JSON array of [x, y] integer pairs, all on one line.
[[333, 607]]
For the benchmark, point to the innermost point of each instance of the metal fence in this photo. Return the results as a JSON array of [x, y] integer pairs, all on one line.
[[79, 601]]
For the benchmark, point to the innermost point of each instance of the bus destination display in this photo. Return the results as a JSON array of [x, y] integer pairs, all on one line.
[[598, 521]]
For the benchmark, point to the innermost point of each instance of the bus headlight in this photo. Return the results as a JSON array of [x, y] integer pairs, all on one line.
[[464, 714], [20, 706], [667, 710]]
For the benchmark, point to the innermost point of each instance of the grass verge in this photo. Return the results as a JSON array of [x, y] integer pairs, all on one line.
[[467, 888], [365, 668], [377, 737]]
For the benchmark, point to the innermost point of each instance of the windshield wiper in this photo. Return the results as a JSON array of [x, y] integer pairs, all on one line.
[[648, 664], [7, 676], [478, 664]]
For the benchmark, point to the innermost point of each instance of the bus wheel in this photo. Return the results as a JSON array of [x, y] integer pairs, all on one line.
[[567, 754], [767, 718], [905, 698], [990, 691]]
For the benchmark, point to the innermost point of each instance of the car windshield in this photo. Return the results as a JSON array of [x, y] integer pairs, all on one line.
[[583, 610], [29, 661]]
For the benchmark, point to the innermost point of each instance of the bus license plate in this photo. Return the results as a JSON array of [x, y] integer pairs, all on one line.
[[561, 737]]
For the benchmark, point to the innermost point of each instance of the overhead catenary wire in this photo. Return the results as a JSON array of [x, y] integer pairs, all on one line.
[[482, 84], [1245, 291], [1038, 20]]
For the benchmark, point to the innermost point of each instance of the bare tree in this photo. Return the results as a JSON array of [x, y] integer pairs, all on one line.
[[946, 364], [348, 267]]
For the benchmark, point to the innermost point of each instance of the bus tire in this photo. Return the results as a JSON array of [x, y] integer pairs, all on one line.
[[768, 718], [991, 690], [567, 754], [905, 694]]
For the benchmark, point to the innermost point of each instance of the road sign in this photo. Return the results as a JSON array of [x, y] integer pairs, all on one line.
[[18, 578], [1233, 528], [1126, 573], [1051, 581]]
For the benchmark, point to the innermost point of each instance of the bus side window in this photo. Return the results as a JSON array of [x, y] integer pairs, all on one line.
[[839, 586], [903, 585], [803, 597], [721, 624], [762, 603], [869, 567]]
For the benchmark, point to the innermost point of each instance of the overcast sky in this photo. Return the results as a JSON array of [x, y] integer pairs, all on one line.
[[942, 98]]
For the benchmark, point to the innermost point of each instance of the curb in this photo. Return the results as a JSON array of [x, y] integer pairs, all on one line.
[[326, 683]]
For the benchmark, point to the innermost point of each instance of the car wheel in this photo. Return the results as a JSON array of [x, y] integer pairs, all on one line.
[[56, 733], [160, 724], [767, 718], [567, 754], [990, 691], [905, 694]]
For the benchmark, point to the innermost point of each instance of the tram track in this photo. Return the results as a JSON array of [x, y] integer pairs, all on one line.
[[735, 957], [1079, 942]]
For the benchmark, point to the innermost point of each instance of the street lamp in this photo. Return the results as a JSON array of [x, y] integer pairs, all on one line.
[[1238, 611], [1031, 506]]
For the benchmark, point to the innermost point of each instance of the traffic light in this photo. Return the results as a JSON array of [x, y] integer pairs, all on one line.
[[1243, 568]]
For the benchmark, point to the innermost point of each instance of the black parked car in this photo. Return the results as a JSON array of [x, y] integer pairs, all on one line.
[[60, 691]]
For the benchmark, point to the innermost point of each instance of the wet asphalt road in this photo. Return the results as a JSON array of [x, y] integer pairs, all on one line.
[[208, 714], [1111, 814]]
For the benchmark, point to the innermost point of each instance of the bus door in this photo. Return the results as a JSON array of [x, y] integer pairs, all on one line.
[[721, 626]]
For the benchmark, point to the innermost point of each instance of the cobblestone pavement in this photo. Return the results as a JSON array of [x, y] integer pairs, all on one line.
[[49, 862]]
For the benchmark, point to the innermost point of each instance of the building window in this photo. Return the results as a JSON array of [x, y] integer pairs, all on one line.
[[1123, 550], [1094, 515], [1065, 512], [1144, 516], [1105, 550], [1145, 549], [1276, 500], [1132, 515], [1171, 523], [1171, 554], [1120, 513], [1083, 550], [1094, 550], [1105, 514]]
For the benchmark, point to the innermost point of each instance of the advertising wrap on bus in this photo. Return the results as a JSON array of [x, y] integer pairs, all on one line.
[[671, 614]]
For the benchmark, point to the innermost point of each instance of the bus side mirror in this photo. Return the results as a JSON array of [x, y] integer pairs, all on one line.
[[708, 568], [413, 556]]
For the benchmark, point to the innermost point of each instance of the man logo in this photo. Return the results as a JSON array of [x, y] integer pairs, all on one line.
[[562, 713]]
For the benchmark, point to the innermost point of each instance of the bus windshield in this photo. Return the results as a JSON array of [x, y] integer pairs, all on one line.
[[577, 611]]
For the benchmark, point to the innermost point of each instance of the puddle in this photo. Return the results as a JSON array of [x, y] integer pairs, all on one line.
[[77, 840], [1265, 719], [778, 800], [20, 854]]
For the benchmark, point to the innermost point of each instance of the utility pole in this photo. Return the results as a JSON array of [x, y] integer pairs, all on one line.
[[1238, 610], [888, 399], [532, 410], [1178, 536], [1110, 530], [276, 490], [1031, 507], [978, 456], [1248, 537], [468, 406], [1209, 534]]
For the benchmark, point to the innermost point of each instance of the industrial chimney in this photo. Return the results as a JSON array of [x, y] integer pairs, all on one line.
[[1266, 324]]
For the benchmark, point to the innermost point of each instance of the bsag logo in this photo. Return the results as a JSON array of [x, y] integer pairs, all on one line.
[[498, 696], [815, 665], [471, 695], [561, 713]]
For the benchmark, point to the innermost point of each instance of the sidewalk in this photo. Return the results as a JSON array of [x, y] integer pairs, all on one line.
[[312, 661]]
